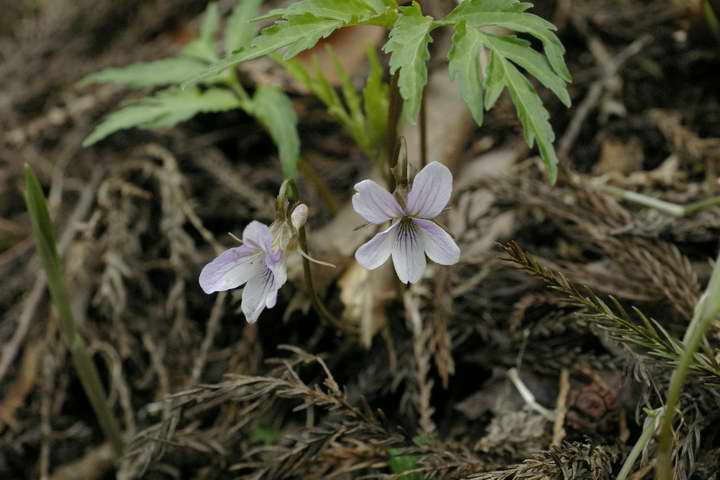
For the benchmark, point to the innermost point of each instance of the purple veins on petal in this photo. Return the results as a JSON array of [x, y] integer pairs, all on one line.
[[255, 295], [374, 203], [408, 253], [430, 191]]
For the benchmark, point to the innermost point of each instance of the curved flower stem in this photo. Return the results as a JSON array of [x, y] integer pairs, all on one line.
[[324, 313], [649, 427], [706, 312]]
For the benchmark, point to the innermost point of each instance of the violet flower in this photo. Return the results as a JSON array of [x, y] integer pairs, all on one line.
[[255, 263], [412, 233]]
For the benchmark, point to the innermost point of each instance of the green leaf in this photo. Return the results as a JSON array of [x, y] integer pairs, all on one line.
[[521, 53], [170, 71], [494, 82], [400, 463], [511, 14], [239, 30], [375, 102], [346, 11], [296, 34], [533, 116], [464, 66], [275, 112], [408, 47], [163, 110], [204, 46]]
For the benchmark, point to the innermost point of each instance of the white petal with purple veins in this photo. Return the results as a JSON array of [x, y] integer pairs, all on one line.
[[377, 250], [374, 203], [430, 191], [439, 245], [255, 295], [408, 253], [231, 269]]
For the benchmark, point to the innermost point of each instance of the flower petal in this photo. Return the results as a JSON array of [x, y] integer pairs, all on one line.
[[271, 299], [430, 192], [408, 253], [439, 245], [255, 295], [377, 250], [374, 203], [258, 235], [231, 269]]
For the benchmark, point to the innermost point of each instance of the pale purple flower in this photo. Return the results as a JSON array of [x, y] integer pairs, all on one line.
[[254, 263], [412, 233]]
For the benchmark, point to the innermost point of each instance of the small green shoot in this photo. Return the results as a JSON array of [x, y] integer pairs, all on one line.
[[46, 246]]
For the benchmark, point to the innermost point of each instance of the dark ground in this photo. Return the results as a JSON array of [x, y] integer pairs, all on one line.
[[428, 380]]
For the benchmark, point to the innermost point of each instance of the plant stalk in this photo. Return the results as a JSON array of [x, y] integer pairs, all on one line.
[[706, 312], [423, 130], [82, 361], [649, 427], [324, 313], [391, 141]]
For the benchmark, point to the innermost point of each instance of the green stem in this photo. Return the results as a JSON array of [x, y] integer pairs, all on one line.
[[661, 205], [82, 361], [706, 312], [423, 130], [324, 313], [234, 83], [649, 427], [392, 127]]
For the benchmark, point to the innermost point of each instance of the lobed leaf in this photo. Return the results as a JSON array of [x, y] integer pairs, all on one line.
[[203, 47], [275, 112], [163, 110], [240, 30], [533, 116], [375, 101], [464, 67], [294, 35], [408, 49], [521, 53], [170, 71], [511, 14], [346, 11]]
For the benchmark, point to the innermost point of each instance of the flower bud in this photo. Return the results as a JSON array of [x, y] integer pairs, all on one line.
[[299, 216]]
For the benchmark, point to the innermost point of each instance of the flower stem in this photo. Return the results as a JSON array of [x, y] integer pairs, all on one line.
[[82, 361], [325, 315], [661, 205], [649, 427], [423, 130], [392, 127], [706, 312]]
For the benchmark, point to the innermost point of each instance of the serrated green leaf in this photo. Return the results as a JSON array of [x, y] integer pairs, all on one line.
[[464, 67], [275, 112], [240, 30], [375, 102], [350, 95], [494, 82], [408, 49], [170, 71], [512, 15], [521, 53], [346, 11], [533, 116], [164, 109], [400, 463], [296, 34]]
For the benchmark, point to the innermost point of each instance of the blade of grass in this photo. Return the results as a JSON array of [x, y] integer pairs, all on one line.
[[47, 248]]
